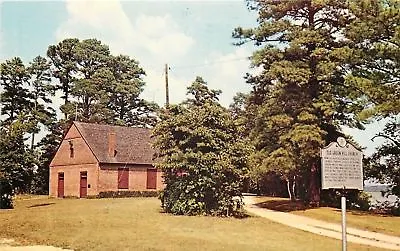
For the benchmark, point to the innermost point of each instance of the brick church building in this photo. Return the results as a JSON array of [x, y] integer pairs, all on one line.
[[94, 158]]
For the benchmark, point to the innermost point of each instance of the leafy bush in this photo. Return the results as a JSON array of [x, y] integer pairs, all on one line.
[[361, 202], [6, 194], [203, 158], [358, 200], [70, 197], [123, 194], [387, 207]]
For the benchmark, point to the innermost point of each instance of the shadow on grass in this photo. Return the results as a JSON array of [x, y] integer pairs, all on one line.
[[284, 205], [366, 213], [237, 215], [41, 205]]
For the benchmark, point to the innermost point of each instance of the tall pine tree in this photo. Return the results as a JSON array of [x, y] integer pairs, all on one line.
[[15, 97], [300, 96]]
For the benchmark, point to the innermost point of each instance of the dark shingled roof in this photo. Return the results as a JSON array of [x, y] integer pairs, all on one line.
[[133, 145]]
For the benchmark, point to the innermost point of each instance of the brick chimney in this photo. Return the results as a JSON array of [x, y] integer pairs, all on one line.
[[112, 143]]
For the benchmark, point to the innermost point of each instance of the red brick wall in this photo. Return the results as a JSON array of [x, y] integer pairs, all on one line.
[[82, 153], [83, 160], [160, 180], [72, 179], [108, 177]]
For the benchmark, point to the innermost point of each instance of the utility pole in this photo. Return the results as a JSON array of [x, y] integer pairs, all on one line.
[[33, 134], [166, 87], [76, 112]]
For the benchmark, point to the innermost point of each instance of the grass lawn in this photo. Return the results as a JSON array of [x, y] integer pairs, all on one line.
[[357, 219], [137, 224]]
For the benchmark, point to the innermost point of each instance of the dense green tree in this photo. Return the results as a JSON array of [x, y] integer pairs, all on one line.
[[300, 97], [384, 164], [64, 66], [6, 193], [375, 58], [238, 106], [42, 90], [99, 87], [15, 96], [203, 158], [90, 79], [124, 101], [17, 161], [375, 72], [26, 95], [40, 76]]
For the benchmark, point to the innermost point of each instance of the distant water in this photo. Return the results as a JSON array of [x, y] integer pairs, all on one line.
[[376, 192], [377, 197]]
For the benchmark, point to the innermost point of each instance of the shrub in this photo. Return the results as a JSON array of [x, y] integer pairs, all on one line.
[[124, 194], [202, 156], [358, 200], [387, 207], [6, 194], [361, 202]]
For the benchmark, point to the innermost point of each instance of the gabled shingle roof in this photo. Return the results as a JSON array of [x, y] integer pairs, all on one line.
[[133, 145]]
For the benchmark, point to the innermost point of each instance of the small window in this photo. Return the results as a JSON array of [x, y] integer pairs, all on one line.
[[71, 149], [123, 178]]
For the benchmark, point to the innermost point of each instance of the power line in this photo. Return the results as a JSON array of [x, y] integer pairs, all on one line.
[[209, 63], [166, 87]]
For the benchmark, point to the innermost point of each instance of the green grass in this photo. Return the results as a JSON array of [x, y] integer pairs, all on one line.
[[357, 219], [137, 224]]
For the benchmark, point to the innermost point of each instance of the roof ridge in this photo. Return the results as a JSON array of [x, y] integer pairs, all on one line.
[[108, 125], [134, 144], [80, 131]]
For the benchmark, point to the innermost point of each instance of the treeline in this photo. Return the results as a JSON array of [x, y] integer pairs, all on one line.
[[320, 65], [95, 86]]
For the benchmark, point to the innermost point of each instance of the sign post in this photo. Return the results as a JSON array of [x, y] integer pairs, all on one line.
[[341, 168], [344, 230]]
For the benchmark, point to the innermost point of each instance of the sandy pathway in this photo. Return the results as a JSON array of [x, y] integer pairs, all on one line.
[[324, 228], [7, 245]]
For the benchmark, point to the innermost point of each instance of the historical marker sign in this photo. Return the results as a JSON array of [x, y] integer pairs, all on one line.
[[341, 166]]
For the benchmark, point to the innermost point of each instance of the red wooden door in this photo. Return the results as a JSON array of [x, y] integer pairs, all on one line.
[[83, 185], [123, 178], [60, 187], [151, 178]]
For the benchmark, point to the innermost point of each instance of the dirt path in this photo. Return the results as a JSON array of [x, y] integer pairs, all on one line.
[[9, 245], [324, 228]]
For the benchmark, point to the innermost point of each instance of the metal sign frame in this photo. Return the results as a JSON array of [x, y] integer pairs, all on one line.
[[341, 166]]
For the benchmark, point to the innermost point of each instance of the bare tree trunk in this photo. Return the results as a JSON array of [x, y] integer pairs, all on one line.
[[294, 187], [288, 189]]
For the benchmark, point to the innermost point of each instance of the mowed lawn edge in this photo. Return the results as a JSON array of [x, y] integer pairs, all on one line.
[[138, 224], [369, 221]]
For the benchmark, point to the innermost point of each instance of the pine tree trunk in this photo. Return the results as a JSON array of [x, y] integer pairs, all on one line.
[[65, 102], [288, 189], [314, 194], [33, 140], [294, 188]]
